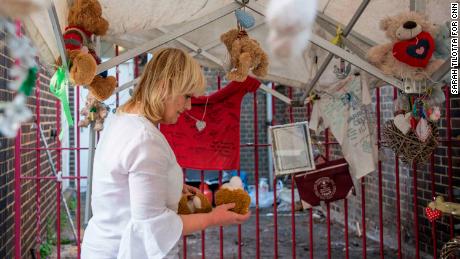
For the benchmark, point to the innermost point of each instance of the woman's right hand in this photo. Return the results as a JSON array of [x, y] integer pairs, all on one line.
[[222, 216]]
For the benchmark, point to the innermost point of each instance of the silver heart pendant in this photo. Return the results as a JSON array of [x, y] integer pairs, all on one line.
[[200, 125]]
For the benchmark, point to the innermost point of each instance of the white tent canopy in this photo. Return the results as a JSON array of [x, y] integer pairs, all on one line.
[[196, 25]]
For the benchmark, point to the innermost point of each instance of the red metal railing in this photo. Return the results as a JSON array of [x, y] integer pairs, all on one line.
[[255, 145]]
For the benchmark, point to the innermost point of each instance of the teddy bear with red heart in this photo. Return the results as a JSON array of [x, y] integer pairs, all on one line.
[[409, 55]]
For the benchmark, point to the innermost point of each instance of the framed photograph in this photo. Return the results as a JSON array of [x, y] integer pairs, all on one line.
[[291, 148]]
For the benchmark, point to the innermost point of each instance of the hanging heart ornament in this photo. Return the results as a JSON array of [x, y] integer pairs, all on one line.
[[415, 52], [200, 125]]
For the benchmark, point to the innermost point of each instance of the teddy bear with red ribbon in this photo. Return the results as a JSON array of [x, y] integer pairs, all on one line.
[[409, 55], [85, 21]]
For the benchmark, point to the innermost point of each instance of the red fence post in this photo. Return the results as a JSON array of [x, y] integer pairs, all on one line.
[[449, 156], [414, 166], [77, 129], [275, 206], [17, 195], [398, 195], [37, 161], [345, 209], [291, 120], [377, 108], [256, 172], [433, 194], [311, 209], [221, 229], [203, 233], [363, 215], [58, 182]]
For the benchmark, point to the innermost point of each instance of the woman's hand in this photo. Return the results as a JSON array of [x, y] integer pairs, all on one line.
[[222, 216], [190, 190], [219, 216]]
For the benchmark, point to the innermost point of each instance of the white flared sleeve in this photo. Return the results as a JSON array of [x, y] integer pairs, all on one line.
[[153, 229]]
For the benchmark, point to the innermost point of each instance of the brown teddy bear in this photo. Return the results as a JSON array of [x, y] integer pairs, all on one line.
[[233, 192], [84, 20], [95, 111], [245, 54], [194, 203], [409, 54]]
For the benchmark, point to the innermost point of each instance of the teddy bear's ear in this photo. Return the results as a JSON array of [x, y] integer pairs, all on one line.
[[385, 23]]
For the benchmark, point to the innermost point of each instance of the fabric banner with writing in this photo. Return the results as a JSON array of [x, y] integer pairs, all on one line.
[[217, 145], [342, 108]]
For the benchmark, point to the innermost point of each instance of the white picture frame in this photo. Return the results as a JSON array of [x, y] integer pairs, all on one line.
[[292, 150]]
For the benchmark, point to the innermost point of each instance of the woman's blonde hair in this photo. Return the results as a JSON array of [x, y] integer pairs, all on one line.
[[170, 73]]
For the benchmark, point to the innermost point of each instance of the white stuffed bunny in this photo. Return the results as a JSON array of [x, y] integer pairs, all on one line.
[[290, 24]]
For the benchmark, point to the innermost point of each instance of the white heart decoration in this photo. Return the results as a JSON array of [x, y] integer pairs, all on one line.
[[402, 122], [200, 125], [423, 130]]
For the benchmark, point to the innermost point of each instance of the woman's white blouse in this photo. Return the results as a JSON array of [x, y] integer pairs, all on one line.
[[137, 185]]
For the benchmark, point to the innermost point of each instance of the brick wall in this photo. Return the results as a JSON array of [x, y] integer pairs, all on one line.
[[28, 168]]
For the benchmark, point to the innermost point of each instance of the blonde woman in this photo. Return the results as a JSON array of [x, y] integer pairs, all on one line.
[[137, 182]]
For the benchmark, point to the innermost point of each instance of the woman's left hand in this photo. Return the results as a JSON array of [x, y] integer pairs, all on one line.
[[190, 190]]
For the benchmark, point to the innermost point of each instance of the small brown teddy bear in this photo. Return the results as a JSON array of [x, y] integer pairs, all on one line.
[[95, 111], [84, 20], [245, 54], [233, 192], [409, 54], [445, 207], [194, 203]]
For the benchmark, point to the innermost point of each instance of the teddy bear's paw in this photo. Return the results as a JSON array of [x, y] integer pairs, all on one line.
[[260, 71], [236, 76], [83, 69], [102, 88]]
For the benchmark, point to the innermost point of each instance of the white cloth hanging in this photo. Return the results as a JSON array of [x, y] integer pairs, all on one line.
[[341, 108]]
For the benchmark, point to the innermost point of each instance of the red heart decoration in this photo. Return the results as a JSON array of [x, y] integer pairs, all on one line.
[[432, 215], [415, 52]]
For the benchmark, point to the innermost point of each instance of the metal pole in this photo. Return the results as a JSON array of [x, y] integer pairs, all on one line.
[[329, 57], [58, 35], [92, 139]]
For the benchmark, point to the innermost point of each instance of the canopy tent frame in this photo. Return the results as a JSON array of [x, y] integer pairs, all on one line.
[[329, 57]]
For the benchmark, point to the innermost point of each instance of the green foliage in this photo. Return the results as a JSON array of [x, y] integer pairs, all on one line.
[[46, 248], [72, 204]]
